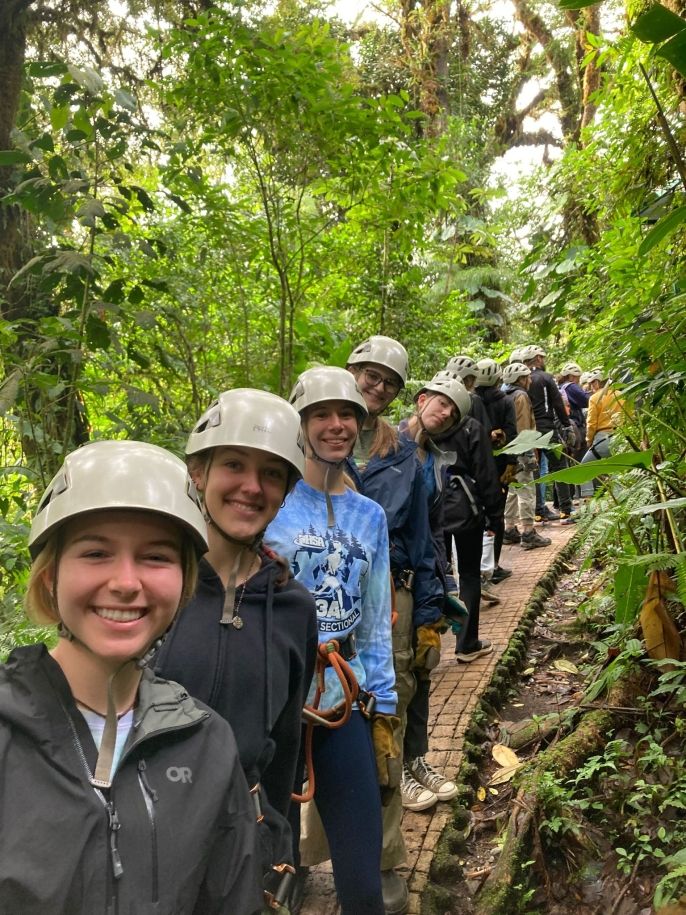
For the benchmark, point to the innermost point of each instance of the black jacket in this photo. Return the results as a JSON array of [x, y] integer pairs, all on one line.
[[256, 678], [547, 401], [473, 458], [501, 415], [186, 840]]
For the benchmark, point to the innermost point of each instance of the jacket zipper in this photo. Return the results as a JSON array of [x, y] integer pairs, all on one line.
[[150, 797], [113, 823]]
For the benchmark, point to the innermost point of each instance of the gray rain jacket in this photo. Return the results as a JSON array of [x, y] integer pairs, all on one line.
[[174, 835]]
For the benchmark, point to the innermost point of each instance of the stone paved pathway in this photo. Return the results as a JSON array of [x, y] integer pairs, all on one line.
[[456, 689]]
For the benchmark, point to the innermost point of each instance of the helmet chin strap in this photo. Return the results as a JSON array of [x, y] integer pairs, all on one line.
[[329, 465]]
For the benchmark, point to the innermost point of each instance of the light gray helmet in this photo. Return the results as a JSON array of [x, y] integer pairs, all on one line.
[[449, 384], [462, 366], [528, 353], [571, 368], [327, 382], [248, 418], [488, 373], [597, 374], [119, 475], [515, 370], [384, 351], [516, 355]]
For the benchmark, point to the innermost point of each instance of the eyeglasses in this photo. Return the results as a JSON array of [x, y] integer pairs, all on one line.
[[373, 379]]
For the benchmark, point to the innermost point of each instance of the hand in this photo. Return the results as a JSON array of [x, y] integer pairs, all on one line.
[[389, 763], [427, 654], [498, 437]]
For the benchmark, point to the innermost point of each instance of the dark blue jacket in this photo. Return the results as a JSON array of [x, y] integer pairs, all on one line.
[[396, 484]]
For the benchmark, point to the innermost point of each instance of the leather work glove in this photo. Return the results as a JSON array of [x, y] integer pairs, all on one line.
[[389, 763], [427, 653], [508, 475], [498, 438]]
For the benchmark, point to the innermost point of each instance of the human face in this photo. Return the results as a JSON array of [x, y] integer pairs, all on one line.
[[119, 581], [437, 412], [331, 429], [244, 490], [378, 385]]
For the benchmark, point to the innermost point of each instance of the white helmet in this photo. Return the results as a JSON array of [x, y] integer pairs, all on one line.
[[327, 382], [462, 366], [515, 370], [248, 418], [448, 384], [384, 351], [119, 475], [516, 354], [528, 353], [597, 374], [488, 373], [571, 368], [585, 378]]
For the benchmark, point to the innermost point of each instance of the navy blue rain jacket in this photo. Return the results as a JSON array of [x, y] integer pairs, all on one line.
[[396, 484]]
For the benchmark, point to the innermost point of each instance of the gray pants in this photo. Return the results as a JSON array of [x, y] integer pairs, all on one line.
[[601, 448]]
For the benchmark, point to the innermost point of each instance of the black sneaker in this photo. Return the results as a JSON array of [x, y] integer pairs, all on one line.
[[512, 535], [531, 540], [483, 647], [549, 514], [500, 574]]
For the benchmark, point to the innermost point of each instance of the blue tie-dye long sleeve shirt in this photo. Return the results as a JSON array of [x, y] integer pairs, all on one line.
[[346, 568]]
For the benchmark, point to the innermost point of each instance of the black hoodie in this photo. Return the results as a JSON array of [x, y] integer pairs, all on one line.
[[255, 677]]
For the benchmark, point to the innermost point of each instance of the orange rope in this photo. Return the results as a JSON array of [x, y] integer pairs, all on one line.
[[336, 717]]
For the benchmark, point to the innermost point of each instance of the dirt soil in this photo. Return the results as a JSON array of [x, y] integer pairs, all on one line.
[[583, 878]]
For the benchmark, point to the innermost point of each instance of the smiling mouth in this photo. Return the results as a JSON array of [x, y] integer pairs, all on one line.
[[120, 616]]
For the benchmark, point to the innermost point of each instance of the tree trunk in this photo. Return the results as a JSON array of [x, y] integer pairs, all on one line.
[[14, 233]]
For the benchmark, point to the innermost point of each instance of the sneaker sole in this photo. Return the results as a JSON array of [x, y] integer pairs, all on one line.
[[417, 807], [473, 655]]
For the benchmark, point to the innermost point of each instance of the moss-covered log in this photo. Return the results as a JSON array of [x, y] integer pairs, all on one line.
[[590, 736]]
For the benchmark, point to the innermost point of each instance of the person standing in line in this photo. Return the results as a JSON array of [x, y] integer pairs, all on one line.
[[473, 503], [465, 369], [336, 542], [549, 409], [135, 791], [501, 416], [521, 502], [605, 411], [385, 468], [246, 643], [440, 405], [577, 400]]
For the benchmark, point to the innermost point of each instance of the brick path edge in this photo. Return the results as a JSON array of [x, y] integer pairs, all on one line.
[[437, 896]]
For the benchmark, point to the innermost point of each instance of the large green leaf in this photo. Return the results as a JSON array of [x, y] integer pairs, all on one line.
[[664, 227], [657, 23], [584, 473], [527, 441], [657, 506], [674, 51], [630, 582]]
